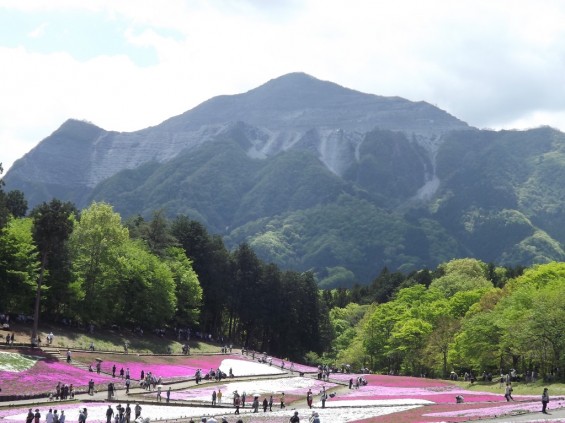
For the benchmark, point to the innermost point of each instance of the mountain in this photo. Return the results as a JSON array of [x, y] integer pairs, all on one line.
[[317, 176]]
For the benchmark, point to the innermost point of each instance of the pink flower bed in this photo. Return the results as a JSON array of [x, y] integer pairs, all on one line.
[[182, 367], [397, 387], [44, 375], [405, 381]]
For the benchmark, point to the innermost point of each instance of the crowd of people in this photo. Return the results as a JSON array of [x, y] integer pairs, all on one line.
[[63, 392]]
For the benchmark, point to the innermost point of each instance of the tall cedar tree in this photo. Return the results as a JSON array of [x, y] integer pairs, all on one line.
[[52, 226]]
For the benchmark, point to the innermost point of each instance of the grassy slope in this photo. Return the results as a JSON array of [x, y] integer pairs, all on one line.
[[519, 388], [107, 340]]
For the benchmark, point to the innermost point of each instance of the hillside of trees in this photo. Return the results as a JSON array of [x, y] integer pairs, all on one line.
[[89, 266]]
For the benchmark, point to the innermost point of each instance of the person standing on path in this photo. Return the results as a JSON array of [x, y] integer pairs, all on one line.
[[544, 401], [508, 392], [236, 401], [159, 393], [214, 396], [62, 417], [271, 403], [128, 413], [137, 411], [49, 416], [219, 396], [109, 414], [29, 418], [82, 416], [282, 401], [309, 398], [36, 416], [168, 394]]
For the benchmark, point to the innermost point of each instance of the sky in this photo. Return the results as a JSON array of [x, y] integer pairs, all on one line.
[[125, 65]]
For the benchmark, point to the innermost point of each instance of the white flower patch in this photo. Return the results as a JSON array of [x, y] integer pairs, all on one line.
[[248, 368], [14, 362], [375, 403], [97, 413]]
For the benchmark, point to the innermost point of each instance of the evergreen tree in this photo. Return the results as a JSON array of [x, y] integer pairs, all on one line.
[[52, 226]]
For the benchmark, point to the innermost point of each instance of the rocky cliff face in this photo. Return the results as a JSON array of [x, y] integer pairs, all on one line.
[[295, 111]]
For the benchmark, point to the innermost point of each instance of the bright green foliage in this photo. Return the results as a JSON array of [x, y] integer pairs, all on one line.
[[425, 330], [19, 266], [97, 243], [142, 291], [461, 275], [477, 346], [343, 321], [187, 288]]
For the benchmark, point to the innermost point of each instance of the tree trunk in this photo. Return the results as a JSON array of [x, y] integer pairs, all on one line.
[[38, 300]]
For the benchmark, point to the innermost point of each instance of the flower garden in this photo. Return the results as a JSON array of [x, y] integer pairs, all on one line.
[[384, 399]]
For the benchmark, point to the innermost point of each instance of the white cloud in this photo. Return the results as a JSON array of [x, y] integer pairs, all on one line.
[[39, 31], [493, 64]]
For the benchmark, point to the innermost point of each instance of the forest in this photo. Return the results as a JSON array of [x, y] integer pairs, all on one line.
[[90, 267]]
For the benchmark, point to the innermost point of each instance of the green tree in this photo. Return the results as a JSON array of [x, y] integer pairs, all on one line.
[[52, 226], [157, 234], [96, 246], [211, 262], [4, 212], [19, 266], [16, 203], [142, 292], [245, 294], [461, 275], [187, 288]]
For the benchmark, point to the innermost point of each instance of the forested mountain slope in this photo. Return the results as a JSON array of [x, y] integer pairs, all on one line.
[[316, 176]]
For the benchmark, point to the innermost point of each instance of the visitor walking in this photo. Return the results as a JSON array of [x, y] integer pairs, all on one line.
[[544, 401], [508, 392]]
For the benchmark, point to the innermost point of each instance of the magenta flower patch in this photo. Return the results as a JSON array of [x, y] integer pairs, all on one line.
[[166, 367], [42, 378]]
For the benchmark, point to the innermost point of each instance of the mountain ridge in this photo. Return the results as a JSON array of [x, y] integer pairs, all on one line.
[[317, 176]]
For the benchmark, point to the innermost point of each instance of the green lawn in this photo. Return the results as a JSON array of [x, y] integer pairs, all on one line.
[[519, 388]]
